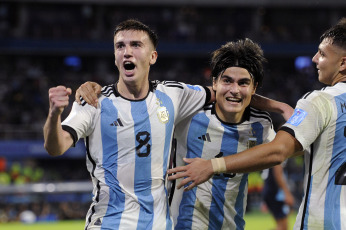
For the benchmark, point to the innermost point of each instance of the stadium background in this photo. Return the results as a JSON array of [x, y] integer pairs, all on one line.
[[44, 43]]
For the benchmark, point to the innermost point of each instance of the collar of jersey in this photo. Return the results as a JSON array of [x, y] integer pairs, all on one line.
[[117, 94], [246, 115]]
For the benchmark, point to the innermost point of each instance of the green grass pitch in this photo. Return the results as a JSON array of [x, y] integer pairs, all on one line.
[[254, 221]]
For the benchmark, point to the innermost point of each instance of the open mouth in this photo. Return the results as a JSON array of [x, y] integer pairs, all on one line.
[[129, 65]]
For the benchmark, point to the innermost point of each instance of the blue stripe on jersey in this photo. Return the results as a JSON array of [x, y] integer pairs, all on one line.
[[257, 131], [332, 202], [167, 102], [198, 126], [110, 156], [229, 146], [239, 204], [142, 182]]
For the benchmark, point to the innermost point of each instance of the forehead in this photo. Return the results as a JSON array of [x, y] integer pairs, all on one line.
[[237, 72], [131, 35], [327, 46]]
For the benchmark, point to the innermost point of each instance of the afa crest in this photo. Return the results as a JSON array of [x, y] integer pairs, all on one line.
[[252, 141], [162, 114]]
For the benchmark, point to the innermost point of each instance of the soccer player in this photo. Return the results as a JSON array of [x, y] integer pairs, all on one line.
[[277, 195], [128, 136], [224, 128], [319, 121]]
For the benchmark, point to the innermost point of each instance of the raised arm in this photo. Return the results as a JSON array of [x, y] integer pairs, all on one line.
[[270, 105], [56, 140], [88, 91]]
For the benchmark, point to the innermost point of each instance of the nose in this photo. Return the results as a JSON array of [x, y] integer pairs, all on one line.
[[315, 58], [128, 51], [234, 88]]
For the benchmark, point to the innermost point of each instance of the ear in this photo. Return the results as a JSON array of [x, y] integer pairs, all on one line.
[[214, 83], [153, 57], [343, 64]]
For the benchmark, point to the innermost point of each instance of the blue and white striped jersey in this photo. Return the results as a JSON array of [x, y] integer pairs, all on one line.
[[319, 120], [220, 202], [128, 146]]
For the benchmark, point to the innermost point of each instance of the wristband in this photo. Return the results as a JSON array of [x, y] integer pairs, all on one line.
[[219, 165]]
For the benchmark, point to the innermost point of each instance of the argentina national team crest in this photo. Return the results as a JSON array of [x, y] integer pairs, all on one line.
[[252, 141], [162, 114]]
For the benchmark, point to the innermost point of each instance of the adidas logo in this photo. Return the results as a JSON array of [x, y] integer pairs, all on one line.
[[205, 137], [117, 123]]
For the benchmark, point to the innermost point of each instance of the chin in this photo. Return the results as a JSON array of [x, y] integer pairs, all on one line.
[[234, 110], [129, 78]]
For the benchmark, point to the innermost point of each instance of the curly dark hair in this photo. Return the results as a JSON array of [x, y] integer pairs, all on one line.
[[242, 53], [133, 24]]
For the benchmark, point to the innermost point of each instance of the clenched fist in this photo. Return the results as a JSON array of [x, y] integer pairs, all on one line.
[[58, 99]]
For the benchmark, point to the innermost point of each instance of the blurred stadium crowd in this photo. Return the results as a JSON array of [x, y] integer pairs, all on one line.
[[43, 44]]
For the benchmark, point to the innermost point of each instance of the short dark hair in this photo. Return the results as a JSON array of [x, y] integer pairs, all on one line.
[[242, 53], [337, 34], [133, 24]]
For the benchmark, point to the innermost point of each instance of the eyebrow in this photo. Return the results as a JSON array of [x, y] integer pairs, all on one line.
[[131, 42], [241, 79]]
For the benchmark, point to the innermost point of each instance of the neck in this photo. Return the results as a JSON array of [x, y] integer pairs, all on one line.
[[340, 78], [133, 90], [227, 117]]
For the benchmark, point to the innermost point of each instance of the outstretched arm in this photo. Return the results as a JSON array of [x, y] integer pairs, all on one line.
[[257, 158], [88, 91], [56, 140], [270, 105]]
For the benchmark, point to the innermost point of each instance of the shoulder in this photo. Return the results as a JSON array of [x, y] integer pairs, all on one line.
[[175, 85], [327, 92], [322, 99], [108, 90], [167, 84], [257, 115]]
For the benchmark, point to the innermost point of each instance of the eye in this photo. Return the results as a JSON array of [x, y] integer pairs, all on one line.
[[244, 83], [226, 80], [136, 44], [119, 46]]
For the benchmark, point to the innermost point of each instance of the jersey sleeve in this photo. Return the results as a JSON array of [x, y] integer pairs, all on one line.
[[192, 99], [310, 117], [80, 122]]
